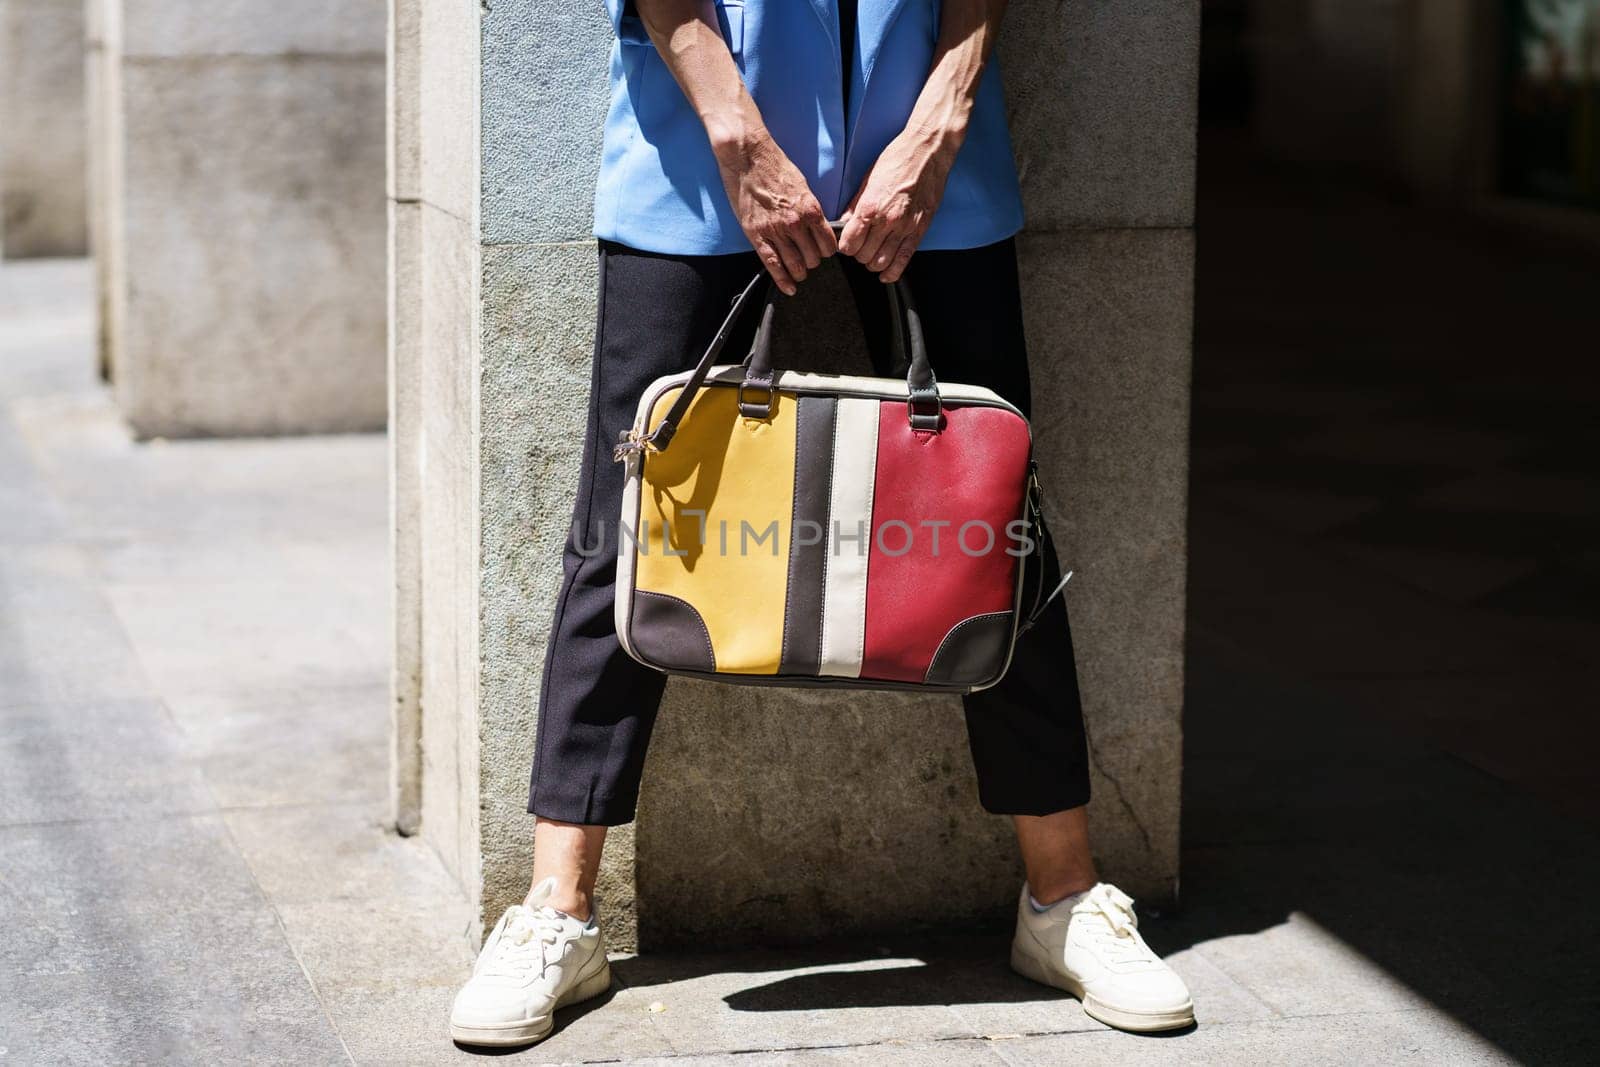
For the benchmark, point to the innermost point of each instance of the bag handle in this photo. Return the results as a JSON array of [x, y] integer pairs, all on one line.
[[924, 408], [907, 343]]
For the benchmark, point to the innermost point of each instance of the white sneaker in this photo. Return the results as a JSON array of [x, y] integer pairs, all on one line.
[[536, 960], [1092, 949]]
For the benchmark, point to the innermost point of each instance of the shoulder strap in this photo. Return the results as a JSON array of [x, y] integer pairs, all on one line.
[[632, 441]]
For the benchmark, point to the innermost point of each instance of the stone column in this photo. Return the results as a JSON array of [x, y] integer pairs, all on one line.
[[240, 199], [434, 384], [99, 92], [1445, 112], [1325, 73], [42, 136], [770, 813], [1103, 104], [405, 406]]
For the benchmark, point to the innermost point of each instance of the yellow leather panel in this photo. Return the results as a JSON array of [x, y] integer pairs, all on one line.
[[738, 471]]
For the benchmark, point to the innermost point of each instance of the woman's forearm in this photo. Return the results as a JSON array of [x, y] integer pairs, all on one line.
[[775, 207], [968, 30], [686, 37], [896, 204]]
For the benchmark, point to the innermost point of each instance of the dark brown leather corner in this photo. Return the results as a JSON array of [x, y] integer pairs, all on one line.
[[668, 632], [973, 652]]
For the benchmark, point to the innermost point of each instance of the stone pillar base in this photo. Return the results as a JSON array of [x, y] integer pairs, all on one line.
[[244, 231], [42, 136]]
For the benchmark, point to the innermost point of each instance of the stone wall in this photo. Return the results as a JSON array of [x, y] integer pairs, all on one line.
[[244, 214], [42, 136], [789, 814]]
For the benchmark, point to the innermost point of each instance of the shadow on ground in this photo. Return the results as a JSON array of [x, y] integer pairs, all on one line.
[[1381, 874], [1391, 727]]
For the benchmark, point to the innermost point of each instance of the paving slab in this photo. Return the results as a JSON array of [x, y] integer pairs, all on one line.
[[1299, 968], [82, 878], [247, 633], [891, 1053], [1328, 628], [1468, 713], [146, 941], [28, 514], [59, 640], [45, 328], [1334, 1041], [763, 1001], [188, 495], [207, 1017], [253, 747], [378, 924], [374, 991], [319, 853], [1032, 1009], [118, 760]]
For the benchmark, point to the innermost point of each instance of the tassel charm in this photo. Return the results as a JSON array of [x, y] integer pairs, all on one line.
[[629, 442], [632, 442]]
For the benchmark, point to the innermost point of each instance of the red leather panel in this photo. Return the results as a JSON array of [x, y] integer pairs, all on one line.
[[972, 471]]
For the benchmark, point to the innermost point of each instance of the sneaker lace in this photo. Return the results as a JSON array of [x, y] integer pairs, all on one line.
[[525, 943], [1113, 925]]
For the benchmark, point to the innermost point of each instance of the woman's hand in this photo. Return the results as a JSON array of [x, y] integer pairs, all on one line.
[[885, 222], [895, 205], [775, 207]]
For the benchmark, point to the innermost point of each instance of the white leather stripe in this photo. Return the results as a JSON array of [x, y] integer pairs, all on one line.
[[844, 586], [845, 384]]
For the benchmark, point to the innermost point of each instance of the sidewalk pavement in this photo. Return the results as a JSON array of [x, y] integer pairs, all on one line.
[[195, 868]]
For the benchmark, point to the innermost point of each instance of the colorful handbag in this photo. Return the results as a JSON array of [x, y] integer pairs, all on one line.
[[824, 530]]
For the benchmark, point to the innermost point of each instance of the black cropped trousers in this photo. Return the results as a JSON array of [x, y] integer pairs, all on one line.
[[657, 313]]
